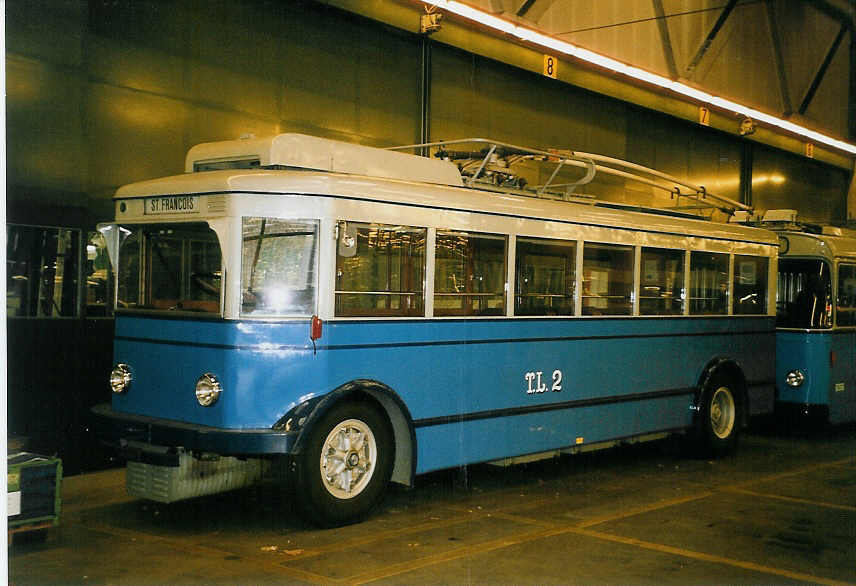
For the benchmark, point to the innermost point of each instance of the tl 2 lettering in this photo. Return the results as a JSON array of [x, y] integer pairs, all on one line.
[[536, 385]]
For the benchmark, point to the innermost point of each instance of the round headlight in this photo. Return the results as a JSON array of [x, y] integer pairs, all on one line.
[[795, 378], [208, 389], [120, 378]]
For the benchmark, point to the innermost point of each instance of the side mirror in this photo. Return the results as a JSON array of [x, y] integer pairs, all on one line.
[[347, 239]]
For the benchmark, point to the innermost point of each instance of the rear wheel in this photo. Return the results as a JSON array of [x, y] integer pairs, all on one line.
[[719, 415], [346, 464]]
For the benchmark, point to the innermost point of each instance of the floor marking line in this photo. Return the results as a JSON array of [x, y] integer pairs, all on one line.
[[389, 533], [645, 509], [404, 567], [709, 557], [448, 556], [791, 499], [796, 472]]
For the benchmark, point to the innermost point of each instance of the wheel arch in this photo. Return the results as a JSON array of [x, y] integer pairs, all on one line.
[[732, 369], [390, 403]]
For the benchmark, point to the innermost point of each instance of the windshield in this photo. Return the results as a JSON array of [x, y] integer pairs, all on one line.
[[804, 294], [171, 267]]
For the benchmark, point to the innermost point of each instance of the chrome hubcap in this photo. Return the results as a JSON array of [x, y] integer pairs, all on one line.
[[722, 412], [347, 459]]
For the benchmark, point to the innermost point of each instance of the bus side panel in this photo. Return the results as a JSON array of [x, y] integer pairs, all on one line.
[[448, 445], [486, 389], [842, 390], [808, 352]]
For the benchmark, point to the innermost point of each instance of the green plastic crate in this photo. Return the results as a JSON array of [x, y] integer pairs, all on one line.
[[34, 491]]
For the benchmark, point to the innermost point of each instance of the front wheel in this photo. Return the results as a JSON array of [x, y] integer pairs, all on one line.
[[346, 464], [718, 423]]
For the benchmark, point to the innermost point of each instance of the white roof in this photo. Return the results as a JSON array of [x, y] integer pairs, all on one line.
[[436, 197], [828, 246], [312, 152]]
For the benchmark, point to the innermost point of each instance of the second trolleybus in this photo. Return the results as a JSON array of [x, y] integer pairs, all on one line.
[[816, 339]]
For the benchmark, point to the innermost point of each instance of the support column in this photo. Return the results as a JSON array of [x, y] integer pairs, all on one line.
[[425, 94], [747, 157]]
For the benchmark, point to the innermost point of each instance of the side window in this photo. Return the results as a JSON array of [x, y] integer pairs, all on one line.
[[278, 265], [380, 270], [607, 279], [544, 275], [128, 294], [803, 294], [98, 275], [661, 286], [847, 295], [469, 274], [42, 271], [750, 284], [708, 283]]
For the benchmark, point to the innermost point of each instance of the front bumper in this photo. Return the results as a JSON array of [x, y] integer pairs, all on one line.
[[127, 432]]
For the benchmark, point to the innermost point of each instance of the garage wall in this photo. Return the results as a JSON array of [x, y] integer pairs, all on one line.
[[105, 92]]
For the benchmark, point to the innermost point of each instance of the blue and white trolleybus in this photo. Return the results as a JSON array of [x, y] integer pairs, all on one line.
[[816, 335], [353, 316]]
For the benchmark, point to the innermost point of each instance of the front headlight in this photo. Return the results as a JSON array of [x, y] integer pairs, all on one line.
[[208, 389], [795, 378], [120, 378]]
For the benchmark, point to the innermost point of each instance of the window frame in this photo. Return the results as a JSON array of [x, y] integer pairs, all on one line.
[[765, 299], [573, 245], [683, 298], [388, 313], [316, 258], [78, 277], [468, 294], [632, 296], [729, 260], [850, 263]]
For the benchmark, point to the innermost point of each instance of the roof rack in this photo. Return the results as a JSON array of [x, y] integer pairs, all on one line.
[[488, 164], [787, 220]]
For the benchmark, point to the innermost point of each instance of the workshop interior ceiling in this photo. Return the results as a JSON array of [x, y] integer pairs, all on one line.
[[789, 58]]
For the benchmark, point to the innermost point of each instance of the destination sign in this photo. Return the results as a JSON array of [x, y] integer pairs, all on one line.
[[172, 204]]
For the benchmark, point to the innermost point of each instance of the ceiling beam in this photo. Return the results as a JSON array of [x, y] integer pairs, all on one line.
[[665, 39], [821, 71], [525, 8], [705, 45], [776, 42], [844, 17]]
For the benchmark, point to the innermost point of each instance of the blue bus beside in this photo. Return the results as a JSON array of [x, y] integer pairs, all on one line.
[[816, 325], [352, 316]]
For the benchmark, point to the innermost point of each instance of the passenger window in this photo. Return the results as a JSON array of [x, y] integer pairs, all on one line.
[[804, 293], [661, 287], [607, 279], [750, 284], [278, 267], [847, 295], [708, 283], [544, 277], [470, 274], [42, 271], [380, 270], [98, 276]]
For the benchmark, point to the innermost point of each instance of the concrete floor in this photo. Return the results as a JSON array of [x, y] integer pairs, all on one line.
[[782, 511]]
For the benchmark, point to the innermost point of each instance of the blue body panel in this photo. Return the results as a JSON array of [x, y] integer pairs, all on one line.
[[829, 384], [463, 381]]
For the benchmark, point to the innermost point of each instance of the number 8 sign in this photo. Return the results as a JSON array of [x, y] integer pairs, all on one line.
[[551, 65]]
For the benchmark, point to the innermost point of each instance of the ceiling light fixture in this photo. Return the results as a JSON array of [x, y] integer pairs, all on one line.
[[570, 50]]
